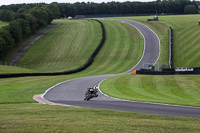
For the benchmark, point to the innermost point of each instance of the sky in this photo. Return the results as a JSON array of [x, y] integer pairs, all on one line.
[[8, 2]]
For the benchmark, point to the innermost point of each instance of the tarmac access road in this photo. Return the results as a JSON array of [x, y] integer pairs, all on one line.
[[72, 92]]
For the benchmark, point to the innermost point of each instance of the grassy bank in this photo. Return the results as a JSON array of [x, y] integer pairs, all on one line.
[[66, 47], [173, 89], [186, 42], [123, 48], [14, 69]]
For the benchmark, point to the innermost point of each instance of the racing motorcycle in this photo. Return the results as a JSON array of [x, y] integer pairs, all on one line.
[[90, 93]]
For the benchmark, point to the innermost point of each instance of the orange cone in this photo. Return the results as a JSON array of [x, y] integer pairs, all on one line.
[[134, 71]]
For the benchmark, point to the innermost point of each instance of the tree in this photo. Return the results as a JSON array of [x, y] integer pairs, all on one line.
[[190, 9], [6, 42], [2, 47], [15, 30], [6, 15]]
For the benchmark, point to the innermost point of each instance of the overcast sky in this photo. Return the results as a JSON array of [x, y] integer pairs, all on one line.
[[7, 2]]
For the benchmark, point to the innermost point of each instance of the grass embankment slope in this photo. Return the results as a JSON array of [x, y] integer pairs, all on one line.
[[14, 69], [64, 48], [122, 50], [186, 40]]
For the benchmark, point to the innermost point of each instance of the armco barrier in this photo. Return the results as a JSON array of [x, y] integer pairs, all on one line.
[[171, 63], [169, 71], [83, 67]]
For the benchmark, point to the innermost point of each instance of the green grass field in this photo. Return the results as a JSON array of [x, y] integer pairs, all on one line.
[[14, 69], [56, 119], [186, 40], [64, 48], [173, 89]]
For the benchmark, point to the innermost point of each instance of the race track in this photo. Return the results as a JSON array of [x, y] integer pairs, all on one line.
[[72, 92]]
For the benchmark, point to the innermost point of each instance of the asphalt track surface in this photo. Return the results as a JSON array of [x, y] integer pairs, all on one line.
[[72, 92]]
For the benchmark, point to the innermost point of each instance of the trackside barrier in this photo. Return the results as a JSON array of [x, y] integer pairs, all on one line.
[[83, 67], [171, 63], [177, 71]]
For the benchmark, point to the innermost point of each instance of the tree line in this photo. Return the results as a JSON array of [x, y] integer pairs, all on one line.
[[134, 8], [23, 21]]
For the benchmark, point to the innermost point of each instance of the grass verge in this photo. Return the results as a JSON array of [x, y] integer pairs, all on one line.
[[173, 89], [14, 69], [45, 118]]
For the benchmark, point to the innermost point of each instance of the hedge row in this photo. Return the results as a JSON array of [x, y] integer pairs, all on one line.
[[83, 67]]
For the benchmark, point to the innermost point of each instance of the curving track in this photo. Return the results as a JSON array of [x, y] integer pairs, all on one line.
[[72, 92]]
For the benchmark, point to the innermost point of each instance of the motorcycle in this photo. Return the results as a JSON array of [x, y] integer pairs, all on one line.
[[90, 93]]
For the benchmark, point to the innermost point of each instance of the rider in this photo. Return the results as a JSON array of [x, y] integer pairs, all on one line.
[[93, 90]]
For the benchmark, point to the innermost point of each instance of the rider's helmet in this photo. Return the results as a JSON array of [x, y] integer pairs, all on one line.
[[95, 88]]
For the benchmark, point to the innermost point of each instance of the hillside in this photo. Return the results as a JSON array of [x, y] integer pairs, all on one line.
[[66, 47], [123, 48], [186, 42]]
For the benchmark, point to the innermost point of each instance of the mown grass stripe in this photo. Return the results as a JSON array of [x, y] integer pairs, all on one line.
[[72, 36], [178, 90]]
